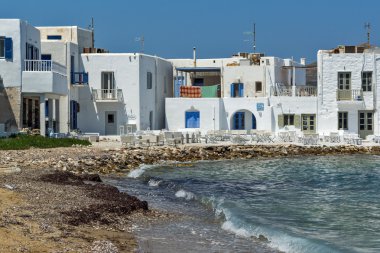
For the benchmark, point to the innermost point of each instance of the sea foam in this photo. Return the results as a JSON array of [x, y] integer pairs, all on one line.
[[185, 194]]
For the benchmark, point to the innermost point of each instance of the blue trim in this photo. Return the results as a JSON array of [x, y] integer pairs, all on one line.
[[54, 37], [232, 91], [241, 90], [254, 126], [192, 119], [8, 48]]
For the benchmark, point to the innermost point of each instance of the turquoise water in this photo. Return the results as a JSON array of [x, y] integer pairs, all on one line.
[[313, 204]]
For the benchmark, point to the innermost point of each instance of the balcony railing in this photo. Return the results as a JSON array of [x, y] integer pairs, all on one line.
[[349, 95], [79, 78], [306, 91], [108, 95], [281, 90], [44, 66]]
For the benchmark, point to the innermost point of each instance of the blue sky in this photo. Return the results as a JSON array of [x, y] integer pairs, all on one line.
[[292, 28]]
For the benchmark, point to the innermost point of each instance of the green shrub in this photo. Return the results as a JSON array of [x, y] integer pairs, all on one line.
[[28, 141]]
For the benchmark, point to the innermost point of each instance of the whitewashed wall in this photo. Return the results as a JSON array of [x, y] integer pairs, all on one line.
[[328, 67]]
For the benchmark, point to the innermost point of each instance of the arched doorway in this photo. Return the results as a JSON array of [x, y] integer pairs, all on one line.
[[243, 120]]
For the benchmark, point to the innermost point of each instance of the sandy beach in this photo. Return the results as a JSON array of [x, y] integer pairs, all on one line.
[[49, 203]]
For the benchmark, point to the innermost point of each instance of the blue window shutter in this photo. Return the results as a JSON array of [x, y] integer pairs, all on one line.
[[8, 48], [232, 91], [241, 90]]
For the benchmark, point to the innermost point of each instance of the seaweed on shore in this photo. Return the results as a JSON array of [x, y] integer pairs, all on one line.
[[111, 202], [68, 178]]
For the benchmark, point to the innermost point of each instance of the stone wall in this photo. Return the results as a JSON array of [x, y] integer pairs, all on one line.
[[10, 104]]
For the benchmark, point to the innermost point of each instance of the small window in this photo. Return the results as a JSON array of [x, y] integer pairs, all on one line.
[[54, 37], [46, 57], [342, 120], [237, 90], [259, 87], [367, 81], [192, 119], [149, 80], [288, 119], [111, 118], [2, 47]]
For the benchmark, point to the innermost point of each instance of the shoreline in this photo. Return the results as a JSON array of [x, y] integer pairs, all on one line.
[[36, 208]]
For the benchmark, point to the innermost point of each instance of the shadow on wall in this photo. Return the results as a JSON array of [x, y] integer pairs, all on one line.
[[10, 107]]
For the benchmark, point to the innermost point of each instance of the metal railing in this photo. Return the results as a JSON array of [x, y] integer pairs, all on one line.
[[306, 91], [79, 78], [349, 95], [108, 95], [44, 66], [281, 91]]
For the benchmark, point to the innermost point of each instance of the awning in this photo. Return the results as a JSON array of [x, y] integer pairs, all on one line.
[[199, 69]]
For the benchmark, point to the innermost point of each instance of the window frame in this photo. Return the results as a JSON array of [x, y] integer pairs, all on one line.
[[3, 51], [288, 118], [342, 120], [260, 85], [367, 81], [54, 37], [342, 80]]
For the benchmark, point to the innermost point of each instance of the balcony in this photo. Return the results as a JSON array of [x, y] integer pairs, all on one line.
[[114, 95], [79, 78], [281, 90], [44, 76], [306, 91], [349, 95]]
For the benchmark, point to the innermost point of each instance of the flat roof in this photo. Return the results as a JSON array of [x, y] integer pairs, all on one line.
[[199, 69]]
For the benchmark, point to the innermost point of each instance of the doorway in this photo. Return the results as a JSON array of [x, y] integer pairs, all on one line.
[[111, 123], [365, 123]]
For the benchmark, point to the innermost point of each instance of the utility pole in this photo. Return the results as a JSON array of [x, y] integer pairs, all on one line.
[[367, 26], [253, 34], [91, 27]]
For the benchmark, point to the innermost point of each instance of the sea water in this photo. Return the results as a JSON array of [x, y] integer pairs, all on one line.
[[308, 204]]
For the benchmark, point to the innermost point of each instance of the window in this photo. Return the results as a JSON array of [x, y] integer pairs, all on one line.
[[32, 52], [46, 57], [342, 120], [344, 80], [192, 119], [2, 47], [149, 80], [6, 48], [367, 81], [110, 118], [267, 62], [288, 119], [259, 87], [54, 37], [365, 121], [108, 81], [198, 81], [308, 123], [237, 90]]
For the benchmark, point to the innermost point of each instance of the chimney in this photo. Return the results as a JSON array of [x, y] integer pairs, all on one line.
[[195, 57]]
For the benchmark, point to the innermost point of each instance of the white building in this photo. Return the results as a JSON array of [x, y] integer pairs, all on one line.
[[348, 90], [64, 45], [125, 90], [248, 91], [31, 88]]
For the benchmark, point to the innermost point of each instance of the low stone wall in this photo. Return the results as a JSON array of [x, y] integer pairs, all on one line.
[[90, 160]]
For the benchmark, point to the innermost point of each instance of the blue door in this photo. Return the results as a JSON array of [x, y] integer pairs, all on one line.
[[239, 121], [253, 122], [192, 119]]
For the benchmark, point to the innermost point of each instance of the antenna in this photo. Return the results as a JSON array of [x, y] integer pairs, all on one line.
[[91, 27], [367, 26], [253, 33], [142, 41]]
